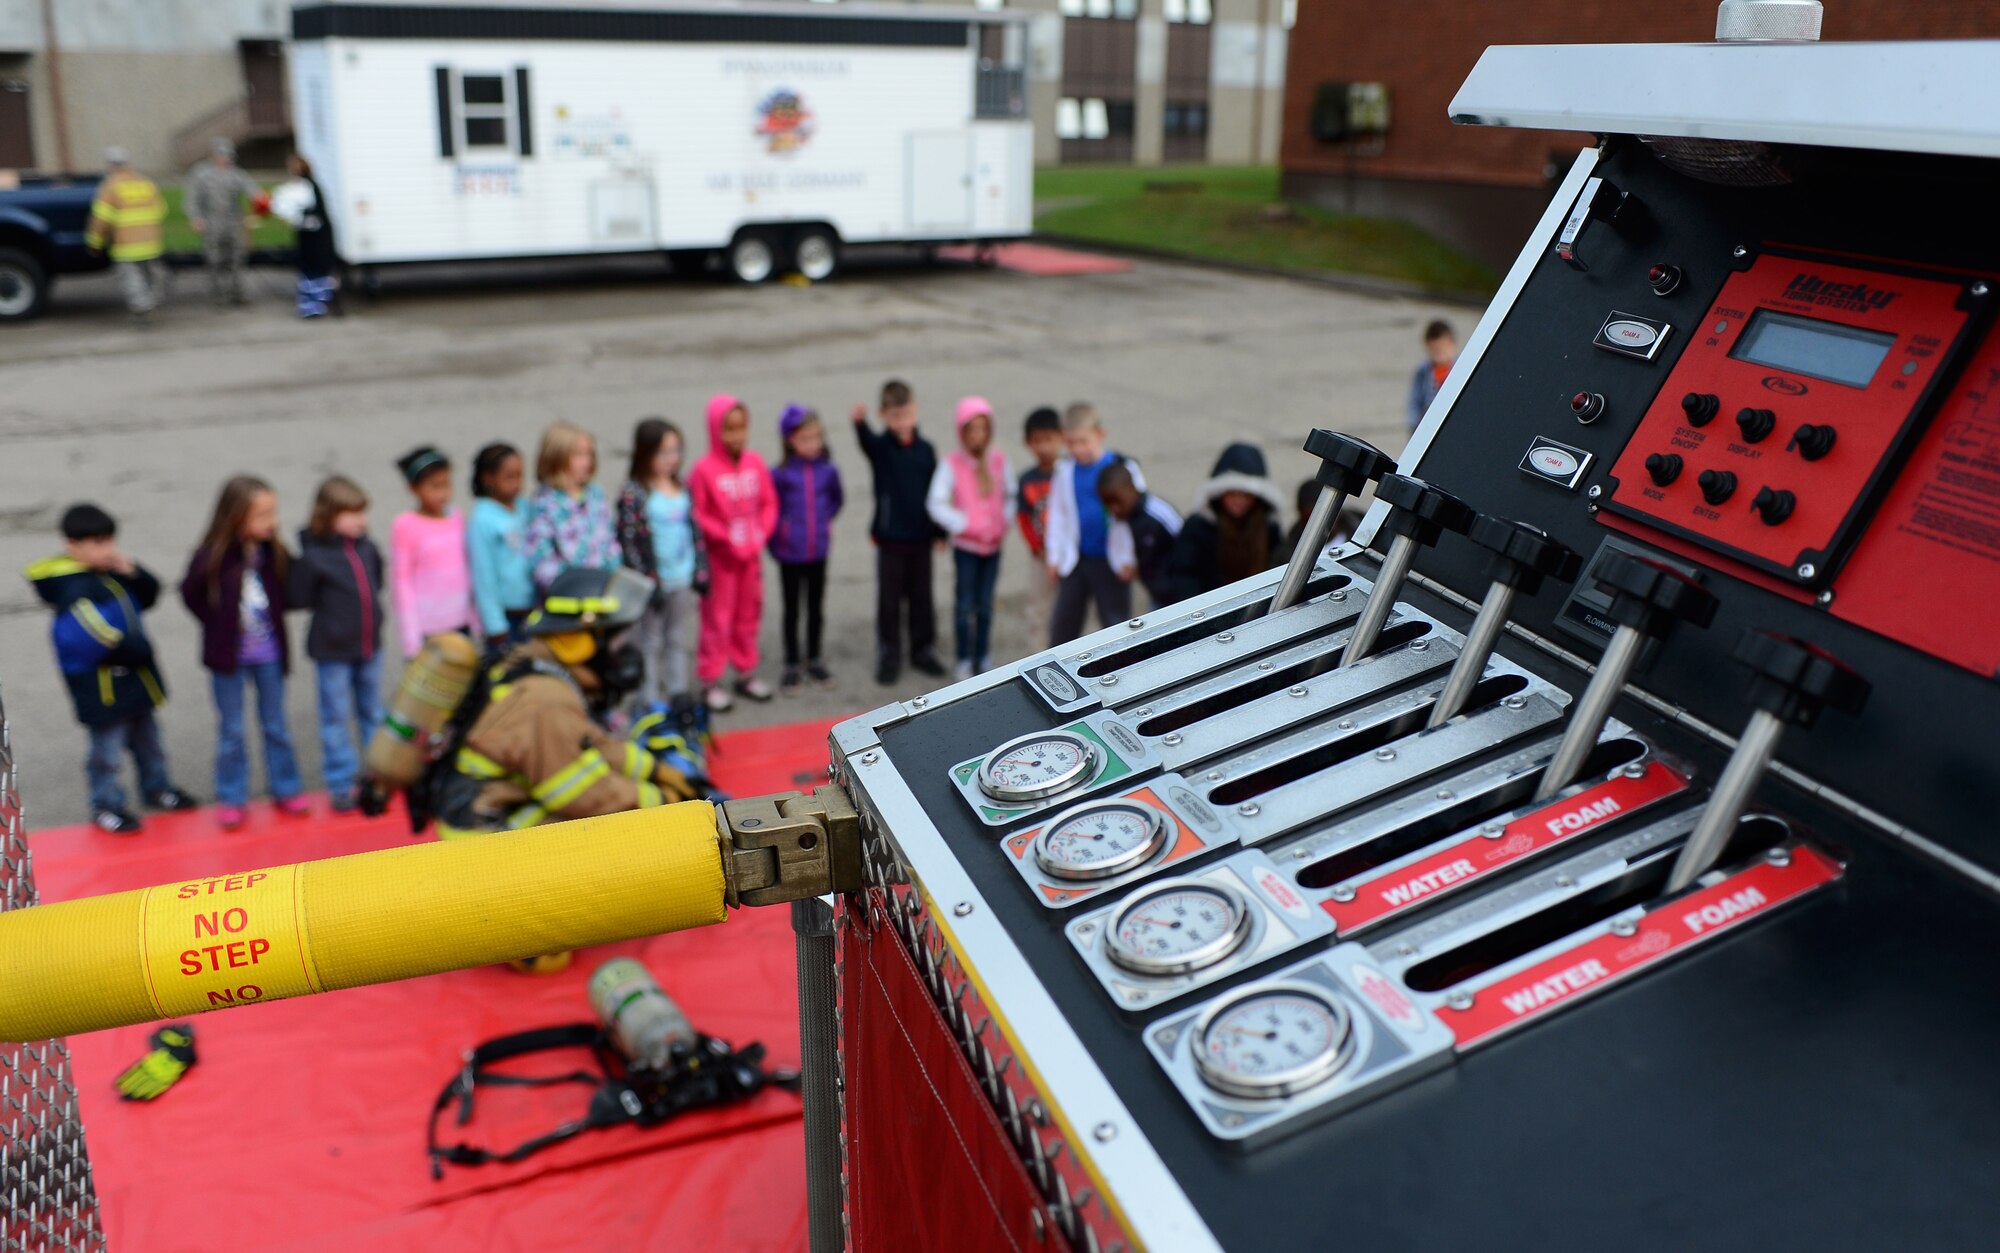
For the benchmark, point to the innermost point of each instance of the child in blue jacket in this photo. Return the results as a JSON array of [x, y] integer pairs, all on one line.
[[99, 595]]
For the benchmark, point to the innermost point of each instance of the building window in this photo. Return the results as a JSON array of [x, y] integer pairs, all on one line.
[[1184, 127], [1288, 13], [1091, 117], [989, 4], [1192, 12], [484, 111]]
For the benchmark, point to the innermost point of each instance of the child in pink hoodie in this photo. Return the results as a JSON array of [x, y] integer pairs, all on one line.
[[737, 509], [970, 494]]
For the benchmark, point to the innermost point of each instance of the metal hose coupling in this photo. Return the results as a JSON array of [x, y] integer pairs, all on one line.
[[788, 846]]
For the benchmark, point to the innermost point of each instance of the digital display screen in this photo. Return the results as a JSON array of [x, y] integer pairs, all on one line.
[[1824, 350]]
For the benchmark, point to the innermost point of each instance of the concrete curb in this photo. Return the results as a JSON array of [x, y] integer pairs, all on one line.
[[1386, 287]]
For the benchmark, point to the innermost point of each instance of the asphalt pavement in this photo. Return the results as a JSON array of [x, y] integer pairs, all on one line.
[[149, 422]]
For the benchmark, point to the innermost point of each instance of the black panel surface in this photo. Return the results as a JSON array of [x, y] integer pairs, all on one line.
[[1819, 1080], [1923, 752]]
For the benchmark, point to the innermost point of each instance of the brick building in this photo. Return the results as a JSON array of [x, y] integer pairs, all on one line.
[[1479, 187]]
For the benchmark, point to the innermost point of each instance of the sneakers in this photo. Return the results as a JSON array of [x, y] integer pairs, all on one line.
[[753, 688], [791, 681], [117, 822], [982, 665], [718, 699], [231, 817], [818, 674], [173, 801], [926, 662], [961, 670], [292, 806], [887, 671], [345, 802]]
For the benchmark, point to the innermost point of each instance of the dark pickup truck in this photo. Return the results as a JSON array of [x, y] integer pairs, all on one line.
[[42, 221]]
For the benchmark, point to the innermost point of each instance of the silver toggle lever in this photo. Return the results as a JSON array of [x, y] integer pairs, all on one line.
[[1419, 515], [1647, 598], [1522, 556], [1346, 466], [1791, 681]]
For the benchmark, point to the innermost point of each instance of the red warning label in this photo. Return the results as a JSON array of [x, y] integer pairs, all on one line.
[[1604, 959], [1468, 860]]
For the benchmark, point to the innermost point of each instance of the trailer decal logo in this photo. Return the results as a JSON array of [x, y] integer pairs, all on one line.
[[783, 122]]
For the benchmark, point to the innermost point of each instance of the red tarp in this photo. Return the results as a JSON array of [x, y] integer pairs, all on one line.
[[302, 1125]]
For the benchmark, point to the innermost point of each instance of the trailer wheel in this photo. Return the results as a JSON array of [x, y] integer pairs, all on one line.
[[816, 253], [24, 286], [753, 257]]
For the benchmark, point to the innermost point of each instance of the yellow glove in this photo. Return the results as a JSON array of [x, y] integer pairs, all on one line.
[[674, 786], [162, 1065]]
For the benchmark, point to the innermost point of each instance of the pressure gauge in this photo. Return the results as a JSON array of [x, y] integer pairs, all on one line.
[[1099, 839], [1177, 927], [1037, 765], [1271, 1040]]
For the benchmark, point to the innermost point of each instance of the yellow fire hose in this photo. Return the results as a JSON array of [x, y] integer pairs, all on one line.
[[262, 935]]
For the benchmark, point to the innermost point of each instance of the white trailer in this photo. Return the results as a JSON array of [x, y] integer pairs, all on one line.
[[772, 134]]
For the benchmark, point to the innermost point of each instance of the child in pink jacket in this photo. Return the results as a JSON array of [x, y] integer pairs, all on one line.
[[737, 510]]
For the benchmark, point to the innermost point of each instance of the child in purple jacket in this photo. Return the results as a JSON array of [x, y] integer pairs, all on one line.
[[809, 494]]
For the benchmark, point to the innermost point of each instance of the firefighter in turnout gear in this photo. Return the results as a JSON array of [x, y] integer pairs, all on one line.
[[534, 749], [127, 221]]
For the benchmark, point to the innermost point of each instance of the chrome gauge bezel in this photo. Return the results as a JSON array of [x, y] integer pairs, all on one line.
[[1307, 1074], [1208, 954], [1092, 760], [1158, 829]]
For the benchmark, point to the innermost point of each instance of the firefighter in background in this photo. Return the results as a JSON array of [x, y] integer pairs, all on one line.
[[534, 747], [126, 221], [216, 190]]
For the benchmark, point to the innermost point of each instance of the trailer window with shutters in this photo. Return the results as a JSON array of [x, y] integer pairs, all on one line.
[[481, 112]]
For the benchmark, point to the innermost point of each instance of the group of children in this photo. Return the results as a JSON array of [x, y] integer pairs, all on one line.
[[698, 533]]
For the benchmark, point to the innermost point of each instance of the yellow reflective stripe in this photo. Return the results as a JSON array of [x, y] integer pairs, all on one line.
[[50, 567], [499, 693], [638, 762], [566, 785], [153, 688], [526, 816], [650, 795], [104, 683], [93, 620], [581, 604], [477, 764]]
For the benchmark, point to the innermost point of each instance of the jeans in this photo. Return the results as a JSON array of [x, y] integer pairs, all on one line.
[[666, 639], [232, 752], [350, 708], [972, 603], [108, 745]]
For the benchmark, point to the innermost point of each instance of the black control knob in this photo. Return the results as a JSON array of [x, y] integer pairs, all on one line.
[[1756, 423], [1716, 485], [1420, 511], [1663, 467], [1347, 464], [1523, 555], [1587, 406], [1773, 505], [1664, 279], [1812, 441], [1794, 680], [1701, 407], [1650, 597]]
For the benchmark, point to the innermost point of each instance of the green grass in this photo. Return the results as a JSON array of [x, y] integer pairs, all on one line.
[[1234, 213], [266, 232]]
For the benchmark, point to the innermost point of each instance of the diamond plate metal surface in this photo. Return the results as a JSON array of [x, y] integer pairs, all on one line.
[[47, 1199]]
